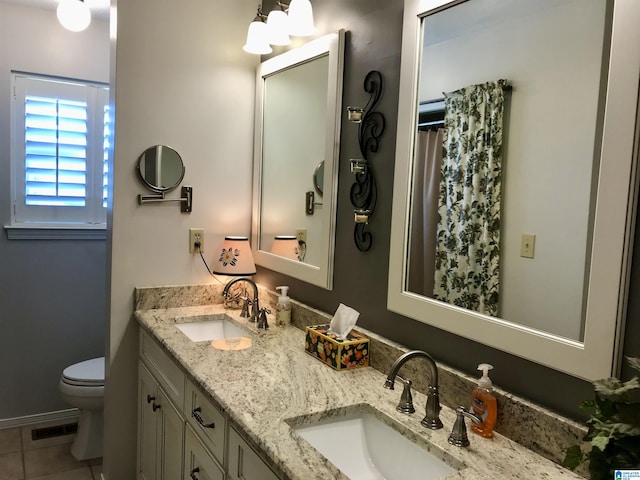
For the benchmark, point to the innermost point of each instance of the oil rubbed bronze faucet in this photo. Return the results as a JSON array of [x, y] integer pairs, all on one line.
[[255, 306], [432, 409]]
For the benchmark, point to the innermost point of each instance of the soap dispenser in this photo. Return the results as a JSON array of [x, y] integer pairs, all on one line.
[[483, 403], [283, 307]]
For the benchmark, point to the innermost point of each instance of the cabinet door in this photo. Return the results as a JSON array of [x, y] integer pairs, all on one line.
[[244, 463], [147, 424], [198, 462], [170, 438]]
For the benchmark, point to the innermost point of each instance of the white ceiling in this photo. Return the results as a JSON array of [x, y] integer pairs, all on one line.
[[99, 8]]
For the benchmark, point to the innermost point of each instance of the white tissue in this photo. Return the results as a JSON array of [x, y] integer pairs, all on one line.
[[343, 321]]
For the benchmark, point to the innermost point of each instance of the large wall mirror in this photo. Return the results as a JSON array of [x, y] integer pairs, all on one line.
[[298, 111], [515, 175]]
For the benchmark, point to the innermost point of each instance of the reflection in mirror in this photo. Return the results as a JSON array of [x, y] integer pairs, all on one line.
[[547, 156], [318, 178], [160, 168], [296, 151], [523, 179]]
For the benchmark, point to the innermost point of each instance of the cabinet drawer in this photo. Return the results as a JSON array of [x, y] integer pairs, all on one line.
[[198, 463], [206, 418], [244, 463], [163, 368]]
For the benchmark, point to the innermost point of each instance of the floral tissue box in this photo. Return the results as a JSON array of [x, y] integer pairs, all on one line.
[[339, 354]]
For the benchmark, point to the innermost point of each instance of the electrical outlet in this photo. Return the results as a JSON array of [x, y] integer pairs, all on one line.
[[301, 234], [196, 235]]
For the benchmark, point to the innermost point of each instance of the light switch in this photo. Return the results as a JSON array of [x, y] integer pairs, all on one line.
[[527, 245]]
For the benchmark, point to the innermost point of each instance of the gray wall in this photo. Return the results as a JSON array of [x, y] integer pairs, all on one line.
[[360, 279], [52, 292]]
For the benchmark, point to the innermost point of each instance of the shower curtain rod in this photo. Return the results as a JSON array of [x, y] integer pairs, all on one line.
[[506, 88]]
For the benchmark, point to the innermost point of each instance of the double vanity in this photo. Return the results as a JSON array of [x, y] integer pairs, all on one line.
[[273, 411]]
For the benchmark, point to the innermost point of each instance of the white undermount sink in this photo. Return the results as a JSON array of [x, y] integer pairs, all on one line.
[[366, 448], [215, 329]]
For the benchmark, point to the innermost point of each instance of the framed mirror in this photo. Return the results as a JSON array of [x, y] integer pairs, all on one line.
[[557, 233], [298, 111], [160, 168]]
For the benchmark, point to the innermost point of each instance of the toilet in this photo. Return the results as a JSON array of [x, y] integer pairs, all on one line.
[[82, 386]]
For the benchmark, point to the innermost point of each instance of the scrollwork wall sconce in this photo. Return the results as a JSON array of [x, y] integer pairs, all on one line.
[[363, 192]]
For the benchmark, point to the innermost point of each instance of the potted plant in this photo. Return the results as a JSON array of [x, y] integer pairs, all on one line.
[[614, 428]]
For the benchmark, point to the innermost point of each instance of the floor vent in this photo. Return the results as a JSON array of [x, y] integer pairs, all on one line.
[[56, 431]]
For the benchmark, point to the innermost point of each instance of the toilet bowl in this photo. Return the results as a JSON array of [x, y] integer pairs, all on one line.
[[82, 386]]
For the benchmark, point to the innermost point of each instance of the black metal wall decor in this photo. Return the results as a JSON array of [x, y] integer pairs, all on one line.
[[364, 191]]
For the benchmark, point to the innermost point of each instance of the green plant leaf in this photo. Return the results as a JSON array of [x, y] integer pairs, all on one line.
[[573, 457], [634, 363], [614, 389], [601, 441], [587, 404], [613, 427]]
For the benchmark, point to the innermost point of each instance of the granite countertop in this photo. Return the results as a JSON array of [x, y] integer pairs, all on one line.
[[274, 383]]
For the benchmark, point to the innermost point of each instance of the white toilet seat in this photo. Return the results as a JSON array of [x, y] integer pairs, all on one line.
[[89, 373]]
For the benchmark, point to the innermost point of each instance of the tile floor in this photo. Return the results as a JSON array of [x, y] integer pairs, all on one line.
[[22, 458]]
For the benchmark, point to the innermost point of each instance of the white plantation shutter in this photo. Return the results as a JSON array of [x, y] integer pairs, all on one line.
[[59, 151]]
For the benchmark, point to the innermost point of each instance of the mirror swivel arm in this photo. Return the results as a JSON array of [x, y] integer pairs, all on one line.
[[186, 199]]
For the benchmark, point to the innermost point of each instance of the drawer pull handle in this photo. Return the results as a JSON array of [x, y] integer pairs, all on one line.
[[196, 414], [193, 473]]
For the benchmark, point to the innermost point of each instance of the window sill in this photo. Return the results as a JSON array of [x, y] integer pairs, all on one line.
[[55, 232]]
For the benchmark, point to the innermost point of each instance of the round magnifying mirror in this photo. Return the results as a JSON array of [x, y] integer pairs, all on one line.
[[160, 168], [318, 177]]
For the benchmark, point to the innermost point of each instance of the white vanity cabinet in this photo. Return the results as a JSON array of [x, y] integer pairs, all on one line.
[[198, 462], [182, 433], [160, 421], [244, 462], [160, 426]]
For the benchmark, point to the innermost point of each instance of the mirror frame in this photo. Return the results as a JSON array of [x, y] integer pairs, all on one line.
[[598, 355], [333, 46]]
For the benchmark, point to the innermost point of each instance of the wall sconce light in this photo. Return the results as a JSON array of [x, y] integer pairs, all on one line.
[[288, 246], [364, 192], [74, 15], [354, 114], [301, 18], [295, 19], [361, 215], [358, 165], [258, 35], [278, 26]]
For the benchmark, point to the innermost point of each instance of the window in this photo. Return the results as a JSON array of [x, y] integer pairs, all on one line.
[[59, 152]]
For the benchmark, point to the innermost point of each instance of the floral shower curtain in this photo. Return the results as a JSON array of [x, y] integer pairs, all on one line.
[[468, 234]]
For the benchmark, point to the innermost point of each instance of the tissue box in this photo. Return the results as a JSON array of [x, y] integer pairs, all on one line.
[[352, 352]]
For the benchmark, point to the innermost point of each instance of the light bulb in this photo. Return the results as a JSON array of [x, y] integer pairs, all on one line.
[[74, 15]]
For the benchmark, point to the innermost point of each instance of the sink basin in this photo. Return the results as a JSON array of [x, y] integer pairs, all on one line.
[[206, 330], [365, 447]]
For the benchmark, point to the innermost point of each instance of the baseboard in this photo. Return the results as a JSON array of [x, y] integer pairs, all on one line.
[[65, 415]]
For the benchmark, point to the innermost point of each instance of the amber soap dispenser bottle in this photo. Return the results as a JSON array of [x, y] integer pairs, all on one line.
[[483, 403]]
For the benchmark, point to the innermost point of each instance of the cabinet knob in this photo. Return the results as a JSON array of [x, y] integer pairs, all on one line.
[[155, 406], [196, 414], [150, 398], [193, 472]]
